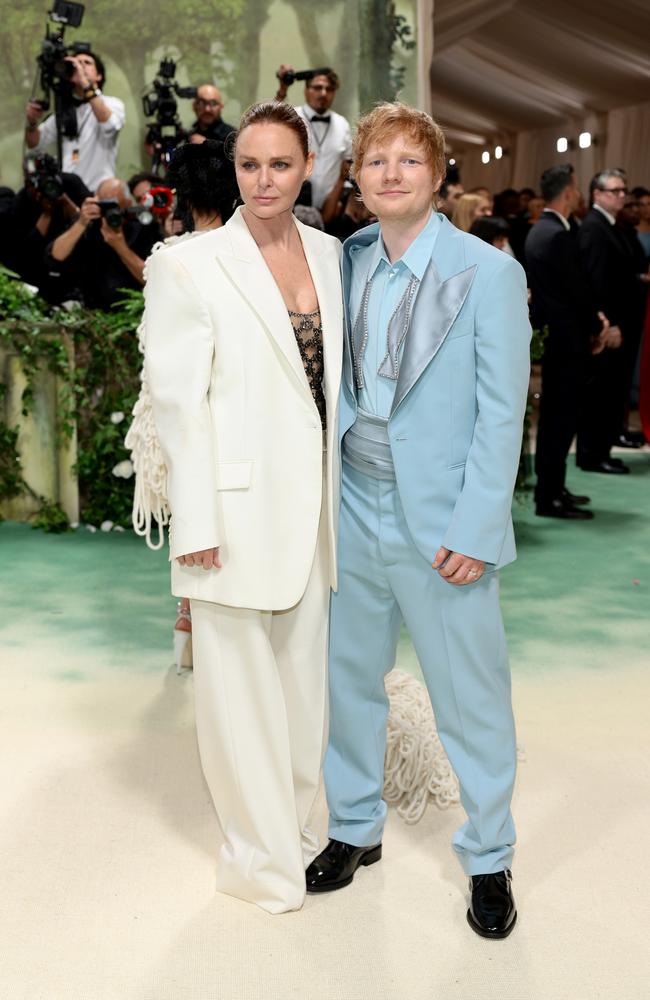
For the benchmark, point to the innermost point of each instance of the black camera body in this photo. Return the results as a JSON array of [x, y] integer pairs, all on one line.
[[116, 216], [111, 211], [159, 103], [43, 175], [302, 74], [56, 70]]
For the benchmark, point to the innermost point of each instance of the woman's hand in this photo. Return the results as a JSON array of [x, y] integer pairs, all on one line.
[[208, 558]]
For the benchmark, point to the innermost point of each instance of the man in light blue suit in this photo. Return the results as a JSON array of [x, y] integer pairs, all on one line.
[[434, 391]]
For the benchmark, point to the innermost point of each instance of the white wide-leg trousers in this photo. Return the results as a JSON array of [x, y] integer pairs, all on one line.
[[260, 680]]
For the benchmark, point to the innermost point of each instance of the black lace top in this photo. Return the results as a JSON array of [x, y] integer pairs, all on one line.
[[309, 337]]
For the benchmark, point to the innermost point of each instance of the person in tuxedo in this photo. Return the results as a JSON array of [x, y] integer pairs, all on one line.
[[610, 269], [436, 368], [243, 358], [562, 303]]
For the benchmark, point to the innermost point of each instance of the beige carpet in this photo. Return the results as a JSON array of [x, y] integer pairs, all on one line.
[[108, 840]]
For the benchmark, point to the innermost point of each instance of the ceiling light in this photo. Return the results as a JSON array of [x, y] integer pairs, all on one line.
[[562, 144], [498, 152], [584, 140], [452, 162], [485, 156]]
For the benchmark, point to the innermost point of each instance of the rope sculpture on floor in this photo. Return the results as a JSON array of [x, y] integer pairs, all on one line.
[[416, 768]]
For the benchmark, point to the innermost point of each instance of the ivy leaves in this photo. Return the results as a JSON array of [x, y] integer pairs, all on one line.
[[95, 357]]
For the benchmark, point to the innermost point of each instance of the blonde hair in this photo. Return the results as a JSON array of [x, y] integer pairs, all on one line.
[[465, 211], [387, 120]]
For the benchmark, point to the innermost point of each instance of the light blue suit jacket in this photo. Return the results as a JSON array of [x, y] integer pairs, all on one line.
[[455, 427]]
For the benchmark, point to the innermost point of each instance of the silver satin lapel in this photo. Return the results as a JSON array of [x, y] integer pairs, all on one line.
[[436, 307], [348, 375]]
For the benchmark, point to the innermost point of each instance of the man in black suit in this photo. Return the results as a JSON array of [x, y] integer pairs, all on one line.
[[610, 269], [562, 302]]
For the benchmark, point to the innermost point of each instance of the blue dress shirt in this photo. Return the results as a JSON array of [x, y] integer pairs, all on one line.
[[389, 282]]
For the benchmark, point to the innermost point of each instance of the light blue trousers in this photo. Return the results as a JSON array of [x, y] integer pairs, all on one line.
[[459, 639]]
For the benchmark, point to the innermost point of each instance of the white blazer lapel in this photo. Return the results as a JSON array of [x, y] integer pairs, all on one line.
[[248, 272]]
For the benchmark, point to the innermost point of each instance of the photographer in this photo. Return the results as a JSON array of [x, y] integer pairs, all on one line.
[[41, 211], [207, 107], [330, 136], [92, 152], [104, 250]]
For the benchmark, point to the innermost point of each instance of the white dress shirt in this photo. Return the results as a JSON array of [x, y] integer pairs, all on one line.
[[331, 141], [93, 152]]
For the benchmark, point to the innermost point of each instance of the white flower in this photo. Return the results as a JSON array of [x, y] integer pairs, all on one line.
[[74, 525], [118, 527], [106, 526], [117, 417], [123, 470], [91, 528], [31, 289]]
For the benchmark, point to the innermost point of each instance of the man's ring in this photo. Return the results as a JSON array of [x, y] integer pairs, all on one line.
[[472, 572]]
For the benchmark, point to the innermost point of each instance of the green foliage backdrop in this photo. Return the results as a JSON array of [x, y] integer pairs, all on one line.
[[237, 44]]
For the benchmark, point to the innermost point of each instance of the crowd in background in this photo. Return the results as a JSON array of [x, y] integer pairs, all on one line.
[[75, 231]]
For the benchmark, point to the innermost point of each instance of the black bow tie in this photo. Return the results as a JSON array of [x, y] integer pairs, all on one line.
[[321, 118]]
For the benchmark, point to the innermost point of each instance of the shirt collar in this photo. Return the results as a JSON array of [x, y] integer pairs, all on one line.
[[416, 258], [309, 113], [608, 215], [565, 222]]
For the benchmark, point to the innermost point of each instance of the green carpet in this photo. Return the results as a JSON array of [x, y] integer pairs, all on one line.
[[579, 593]]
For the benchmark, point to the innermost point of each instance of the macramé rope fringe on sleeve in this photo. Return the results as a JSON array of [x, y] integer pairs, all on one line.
[[150, 491]]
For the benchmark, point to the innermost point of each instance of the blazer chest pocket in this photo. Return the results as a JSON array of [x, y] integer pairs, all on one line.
[[234, 475], [460, 329]]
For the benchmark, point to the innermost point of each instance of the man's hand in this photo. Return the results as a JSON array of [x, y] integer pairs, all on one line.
[[282, 89], [33, 112], [208, 558], [456, 568], [89, 210], [114, 237], [599, 342], [614, 338]]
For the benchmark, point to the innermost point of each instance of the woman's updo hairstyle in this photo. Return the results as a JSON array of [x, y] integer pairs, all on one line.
[[276, 113], [204, 180]]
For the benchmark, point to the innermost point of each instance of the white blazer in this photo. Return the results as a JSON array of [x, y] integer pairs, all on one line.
[[237, 423]]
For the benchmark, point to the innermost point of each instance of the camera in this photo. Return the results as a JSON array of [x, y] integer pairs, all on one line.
[[303, 74], [111, 211], [43, 175], [56, 70], [160, 103]]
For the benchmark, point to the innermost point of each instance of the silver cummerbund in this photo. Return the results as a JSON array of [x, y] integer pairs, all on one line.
[[366, 446]]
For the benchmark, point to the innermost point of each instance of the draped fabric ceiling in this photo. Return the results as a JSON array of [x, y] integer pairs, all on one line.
[[520, 73]]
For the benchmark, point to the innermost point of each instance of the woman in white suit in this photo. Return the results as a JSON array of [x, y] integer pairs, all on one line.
[[243, 359]]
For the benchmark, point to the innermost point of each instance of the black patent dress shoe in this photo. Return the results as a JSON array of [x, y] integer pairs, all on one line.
[[492, 912], [334, 867], [612, 466], [627, 440], [575, 499], [563, 510]]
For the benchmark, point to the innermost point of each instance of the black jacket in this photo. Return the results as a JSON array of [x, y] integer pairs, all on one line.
[[610, 268], [561, 298]]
